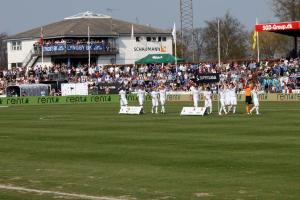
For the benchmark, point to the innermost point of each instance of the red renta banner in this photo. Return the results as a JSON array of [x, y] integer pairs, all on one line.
[[273, 27]]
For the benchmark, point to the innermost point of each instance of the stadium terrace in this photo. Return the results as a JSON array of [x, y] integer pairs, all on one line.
[[274, 77]]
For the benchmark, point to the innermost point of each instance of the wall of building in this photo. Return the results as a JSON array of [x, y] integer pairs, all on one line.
[[18, 56], [46, 62], [106, 60], [129, 51]]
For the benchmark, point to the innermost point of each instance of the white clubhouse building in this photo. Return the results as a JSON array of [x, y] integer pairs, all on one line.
[[112, 41]]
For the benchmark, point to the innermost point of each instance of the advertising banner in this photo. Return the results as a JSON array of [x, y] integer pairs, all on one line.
[[132, 99], [192, 111], [56, 48], [208, 78], [73, 89], [131, 110], [109, 88], [277, 26]]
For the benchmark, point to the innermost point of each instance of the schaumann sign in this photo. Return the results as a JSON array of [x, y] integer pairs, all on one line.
[[147, 49]]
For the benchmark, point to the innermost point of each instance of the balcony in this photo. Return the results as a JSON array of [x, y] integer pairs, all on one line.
[[76, 49]]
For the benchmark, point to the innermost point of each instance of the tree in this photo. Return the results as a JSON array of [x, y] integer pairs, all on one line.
[[3, 51], [185, 47], [234, 39], [272, 45], [180, 46], [287, 10], [199, 40]]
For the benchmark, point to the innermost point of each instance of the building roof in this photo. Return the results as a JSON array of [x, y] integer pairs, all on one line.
[[100, 26]]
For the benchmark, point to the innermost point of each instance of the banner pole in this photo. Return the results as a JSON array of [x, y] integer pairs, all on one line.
[[219, 59], [219, 44], [89, 46], [257, 41]]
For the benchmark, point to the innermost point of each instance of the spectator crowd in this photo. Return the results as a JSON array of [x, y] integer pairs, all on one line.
[[273, 77]]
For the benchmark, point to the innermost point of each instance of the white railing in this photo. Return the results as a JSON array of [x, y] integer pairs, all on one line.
[[28, 57]]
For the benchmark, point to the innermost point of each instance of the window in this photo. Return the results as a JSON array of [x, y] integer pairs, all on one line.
[[164, 39], [138, 39], [148, 39], [154, 39], [14, 65], [159, 39], [16, 46]]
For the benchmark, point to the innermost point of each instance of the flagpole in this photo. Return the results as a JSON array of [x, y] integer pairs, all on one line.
[[219, 44], [257, 40], [132, 43], [219, 60], [175, 43], [89, 46], [42, 55], [42, 41], [176, 62]]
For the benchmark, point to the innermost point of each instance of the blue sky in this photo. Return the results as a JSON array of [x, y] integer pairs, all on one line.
[[21, 15]]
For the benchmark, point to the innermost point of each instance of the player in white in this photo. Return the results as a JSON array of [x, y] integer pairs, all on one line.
[[162, 98], [254, 93], [154, 97], [233, 98], [123, 99], [141, 93], [222, 100], [208, 101], [227, 96], [195, 93]]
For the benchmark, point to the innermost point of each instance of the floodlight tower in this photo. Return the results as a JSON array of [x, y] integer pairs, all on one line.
[[187, 25]]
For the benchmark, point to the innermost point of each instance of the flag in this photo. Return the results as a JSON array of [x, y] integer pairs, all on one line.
[[42, 37], [132, 32], [254, 40], [174, 32]]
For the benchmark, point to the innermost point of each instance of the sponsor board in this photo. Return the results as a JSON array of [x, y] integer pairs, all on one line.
[[207, 78], [73, 89], [131, 110], [296, 91], [277, 26], [53, 100], [132, 99], [109, 88], [147, 49], [192, 111]]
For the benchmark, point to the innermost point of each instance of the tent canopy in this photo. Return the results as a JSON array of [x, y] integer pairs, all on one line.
[[158, 58]]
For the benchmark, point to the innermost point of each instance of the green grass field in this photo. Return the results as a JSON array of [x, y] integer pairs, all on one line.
[[91, 150]]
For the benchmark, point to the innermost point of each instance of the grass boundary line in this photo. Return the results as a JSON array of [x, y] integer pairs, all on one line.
[[74, 195]]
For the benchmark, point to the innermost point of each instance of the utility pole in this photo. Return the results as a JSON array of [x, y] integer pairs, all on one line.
[[295, 37]]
